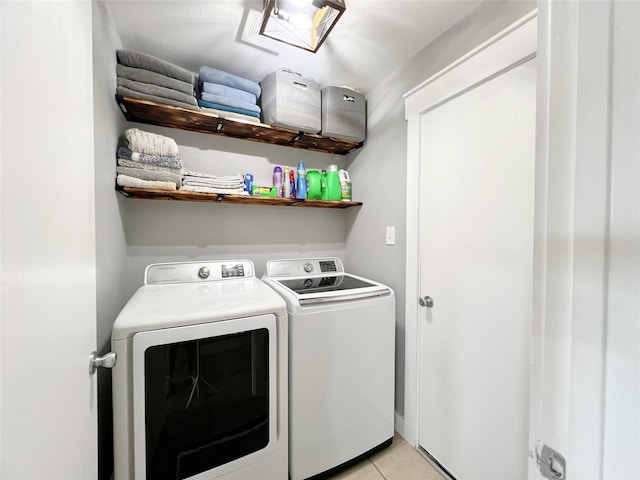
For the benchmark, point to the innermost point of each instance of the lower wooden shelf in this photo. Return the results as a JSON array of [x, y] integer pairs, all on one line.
[[185, 196]]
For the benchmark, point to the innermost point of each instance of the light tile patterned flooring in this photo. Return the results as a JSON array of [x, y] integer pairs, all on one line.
[[399, 461]]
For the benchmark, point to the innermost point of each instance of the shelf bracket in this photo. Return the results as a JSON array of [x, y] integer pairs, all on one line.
[[296, 138], [360, 145]]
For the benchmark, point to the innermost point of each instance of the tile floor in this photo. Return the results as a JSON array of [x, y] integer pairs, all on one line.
[[399, 461]]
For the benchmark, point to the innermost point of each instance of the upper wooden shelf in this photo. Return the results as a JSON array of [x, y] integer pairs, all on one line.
[[144, 111], [186, 196]]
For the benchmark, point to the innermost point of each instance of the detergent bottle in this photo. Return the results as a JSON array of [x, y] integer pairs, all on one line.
[[324, 192], [292, 183], [333, 183], [248, 182], [277, 179], [286, 186], [301, 190], [345, 186]]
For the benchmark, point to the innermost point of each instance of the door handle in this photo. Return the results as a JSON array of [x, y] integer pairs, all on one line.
[[426, 301], [108, 361]]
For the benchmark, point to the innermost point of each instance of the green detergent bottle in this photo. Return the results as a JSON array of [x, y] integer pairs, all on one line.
[[334, 191]]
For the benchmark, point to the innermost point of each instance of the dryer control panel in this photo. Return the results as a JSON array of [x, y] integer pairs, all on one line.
[[197, 272]]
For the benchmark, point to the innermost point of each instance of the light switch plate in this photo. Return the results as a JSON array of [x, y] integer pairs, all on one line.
[[390, 236]]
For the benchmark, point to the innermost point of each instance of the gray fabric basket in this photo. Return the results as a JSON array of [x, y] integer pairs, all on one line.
[[344, 114], [291, 101]]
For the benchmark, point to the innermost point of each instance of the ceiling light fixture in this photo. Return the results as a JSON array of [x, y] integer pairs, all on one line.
[[302, 23]]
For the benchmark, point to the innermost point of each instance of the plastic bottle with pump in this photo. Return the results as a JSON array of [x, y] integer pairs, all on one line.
[[301, 190]]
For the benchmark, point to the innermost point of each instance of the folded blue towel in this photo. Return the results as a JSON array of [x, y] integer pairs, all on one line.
[[213, 75], [226, 108], [230, 92], [229, 102]]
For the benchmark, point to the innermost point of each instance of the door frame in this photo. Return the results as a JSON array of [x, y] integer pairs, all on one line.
[[511, 47]]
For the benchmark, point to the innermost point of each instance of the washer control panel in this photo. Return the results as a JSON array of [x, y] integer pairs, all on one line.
[[304, 267], [196, 272]]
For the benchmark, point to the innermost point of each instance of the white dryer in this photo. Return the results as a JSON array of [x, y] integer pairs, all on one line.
[[200, 381], [341, 364]]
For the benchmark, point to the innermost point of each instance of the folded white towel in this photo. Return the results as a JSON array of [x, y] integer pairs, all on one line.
[[232, 115], [234, 191], [193, 173], [127, 181], [151, 143], [153, 176], [205, 182]]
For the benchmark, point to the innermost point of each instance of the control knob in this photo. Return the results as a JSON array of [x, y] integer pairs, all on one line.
[[204, 272]]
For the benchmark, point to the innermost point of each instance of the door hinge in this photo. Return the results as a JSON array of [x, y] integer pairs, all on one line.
[[550, 464]]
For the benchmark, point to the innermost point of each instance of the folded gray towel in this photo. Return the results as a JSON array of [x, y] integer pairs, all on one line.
[[147, 76], [153, 175], [157, 160], [154, 64], [151, 89], [127, 181], [123, 162], [127, 92]]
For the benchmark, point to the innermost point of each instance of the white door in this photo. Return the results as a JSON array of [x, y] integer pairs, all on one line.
[[47, 251], [477, 172]]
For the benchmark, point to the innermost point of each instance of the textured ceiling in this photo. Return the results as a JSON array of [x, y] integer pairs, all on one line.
[[372, 39]]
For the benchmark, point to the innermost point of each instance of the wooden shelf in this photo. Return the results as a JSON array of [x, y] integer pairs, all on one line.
[[185, 196], [144, 111]]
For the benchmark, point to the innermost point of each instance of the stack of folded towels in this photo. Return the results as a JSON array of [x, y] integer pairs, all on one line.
[[228, 95], [148, 160], [149, 78], [206, 183]]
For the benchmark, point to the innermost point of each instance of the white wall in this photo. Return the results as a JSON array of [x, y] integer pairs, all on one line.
[[586, 339], [378, 170], [622, 387]]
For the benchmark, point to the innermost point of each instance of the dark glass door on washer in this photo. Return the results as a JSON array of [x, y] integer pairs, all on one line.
[[206, 403]]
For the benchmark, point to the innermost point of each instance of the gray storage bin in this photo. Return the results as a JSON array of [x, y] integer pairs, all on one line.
[[344, 114], [291, 101]]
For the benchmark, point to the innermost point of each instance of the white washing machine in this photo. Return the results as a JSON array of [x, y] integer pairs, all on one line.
[[341, 364], [200, 381]]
